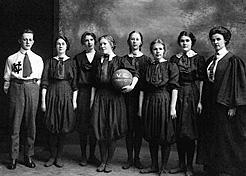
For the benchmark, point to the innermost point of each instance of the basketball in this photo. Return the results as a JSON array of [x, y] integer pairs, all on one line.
[[121, 78]]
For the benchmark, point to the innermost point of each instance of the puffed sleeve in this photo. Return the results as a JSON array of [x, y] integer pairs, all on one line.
[[201, 68], [232, 92], [173, 59], [45, 75], [173, 82]]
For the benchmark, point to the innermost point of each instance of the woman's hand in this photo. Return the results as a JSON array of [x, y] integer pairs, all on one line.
[[231, 112], [199, 108], [74, 105], [140, 112], [173, 113], [127, 89], [43, 106]]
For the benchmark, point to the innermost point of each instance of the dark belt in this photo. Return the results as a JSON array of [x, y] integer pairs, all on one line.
[[23, 81]]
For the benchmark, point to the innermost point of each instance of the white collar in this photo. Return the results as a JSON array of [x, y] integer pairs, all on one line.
[[162, 60], [22, 51], [65, 57], [139, 54], [190, 53], [222, 52]]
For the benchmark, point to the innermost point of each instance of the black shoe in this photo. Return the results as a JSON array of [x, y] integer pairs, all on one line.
[[29, 162], [138, 164], [50, 162], [12, 165], [93, 160], [108, 168], [83, 162], [149, 170], [101, 167], [59, 163], [128, 164]]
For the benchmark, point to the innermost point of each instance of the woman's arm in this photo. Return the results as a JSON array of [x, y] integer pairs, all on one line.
[[140, 103], [75, 94], [173, 103], [199, 106], [43, 104], [93, 90]]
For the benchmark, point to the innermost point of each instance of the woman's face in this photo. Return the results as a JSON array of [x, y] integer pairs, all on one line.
[[158, 51], [218, 41], [105, 46], [61, 46], [89, 42], [135, 41], [185, 43]]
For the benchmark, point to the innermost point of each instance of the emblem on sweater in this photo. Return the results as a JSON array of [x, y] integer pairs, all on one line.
[[17, 67]]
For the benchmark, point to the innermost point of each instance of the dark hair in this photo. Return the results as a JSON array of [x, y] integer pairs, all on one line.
[[63, 38], [188, 34], [25, 31], [158, 40], [82, 39], [129, 37], [221, 30], [110, 39]]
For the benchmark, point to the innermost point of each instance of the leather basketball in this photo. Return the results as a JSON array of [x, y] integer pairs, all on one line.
[[121, 78]]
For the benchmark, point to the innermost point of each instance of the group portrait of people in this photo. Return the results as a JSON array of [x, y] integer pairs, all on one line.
[[196, 103]]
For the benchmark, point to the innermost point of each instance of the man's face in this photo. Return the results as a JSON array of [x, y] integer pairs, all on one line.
[[26, 41]]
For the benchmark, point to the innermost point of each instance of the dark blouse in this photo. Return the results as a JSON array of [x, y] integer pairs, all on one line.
[[159, 76], [190, 68], [140, 63], [115, 64], [51, 73], [84, 68]]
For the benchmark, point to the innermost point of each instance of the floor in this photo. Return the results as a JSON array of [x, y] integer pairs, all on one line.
[[71, 167]]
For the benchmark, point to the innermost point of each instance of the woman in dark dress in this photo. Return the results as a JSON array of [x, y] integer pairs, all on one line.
[[134, 134], [84, 62], [223, 148], [109, 110], [191, 74], [159, 106], [59, 96]]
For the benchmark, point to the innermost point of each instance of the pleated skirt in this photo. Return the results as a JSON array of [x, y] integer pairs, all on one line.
[[158, 126], [109, 115], [59, 116]]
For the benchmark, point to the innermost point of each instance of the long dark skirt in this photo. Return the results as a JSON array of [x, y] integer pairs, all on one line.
[[132, 106], [158, 126], [59, 115], [84, 111], [109, 115], [187, 102], [228, 148]]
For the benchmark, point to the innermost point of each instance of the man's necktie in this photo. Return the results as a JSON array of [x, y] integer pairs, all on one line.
[[27, 68], [60, 66], [104, 69], [211, 69]]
